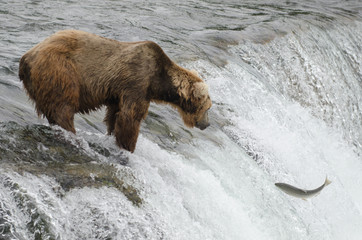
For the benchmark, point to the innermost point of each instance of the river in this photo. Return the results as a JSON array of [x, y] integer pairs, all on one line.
[[285, 78]]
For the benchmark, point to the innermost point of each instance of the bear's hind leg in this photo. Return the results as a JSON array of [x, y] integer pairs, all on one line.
[[64, 117], [110, 118], [50, 120], [54, 85]]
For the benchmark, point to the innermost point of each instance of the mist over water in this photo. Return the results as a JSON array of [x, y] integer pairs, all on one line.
[[286, 83]]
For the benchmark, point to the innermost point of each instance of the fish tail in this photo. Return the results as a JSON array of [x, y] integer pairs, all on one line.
[[327, 181]]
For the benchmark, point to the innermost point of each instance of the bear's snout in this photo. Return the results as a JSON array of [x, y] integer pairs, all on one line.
[[203, 122]]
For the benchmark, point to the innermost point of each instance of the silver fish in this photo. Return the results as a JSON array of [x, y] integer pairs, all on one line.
[[301, 193]]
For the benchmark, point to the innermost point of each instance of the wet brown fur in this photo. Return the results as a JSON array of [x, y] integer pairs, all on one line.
[[77, 72]]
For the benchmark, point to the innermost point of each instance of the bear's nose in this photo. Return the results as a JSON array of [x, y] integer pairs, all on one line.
[[202, 126], [204, 122]]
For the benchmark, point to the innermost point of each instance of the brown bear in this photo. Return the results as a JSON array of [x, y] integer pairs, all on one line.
[[76, 72]]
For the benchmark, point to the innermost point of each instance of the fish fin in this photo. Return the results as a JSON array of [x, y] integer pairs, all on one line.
[[327, 182]]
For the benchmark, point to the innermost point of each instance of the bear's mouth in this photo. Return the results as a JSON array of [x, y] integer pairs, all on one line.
[[203, 122]]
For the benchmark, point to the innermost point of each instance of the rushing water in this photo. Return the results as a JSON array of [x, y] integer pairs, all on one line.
[[286, 83]]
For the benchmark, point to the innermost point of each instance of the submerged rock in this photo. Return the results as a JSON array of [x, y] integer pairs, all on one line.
[[41, 150]]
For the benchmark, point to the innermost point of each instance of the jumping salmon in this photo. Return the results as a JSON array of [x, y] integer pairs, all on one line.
[[301, 193]]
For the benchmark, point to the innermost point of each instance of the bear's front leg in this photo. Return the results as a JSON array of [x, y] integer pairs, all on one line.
[[127, 126], [110, 119]]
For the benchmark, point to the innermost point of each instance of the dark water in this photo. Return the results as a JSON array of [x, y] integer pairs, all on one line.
[[286, 83]]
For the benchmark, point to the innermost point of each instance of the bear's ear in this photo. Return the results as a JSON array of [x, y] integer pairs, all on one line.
[[200, 90], [193, 71]]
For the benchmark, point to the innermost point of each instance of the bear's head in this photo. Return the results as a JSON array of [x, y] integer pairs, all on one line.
[[194, 98], [201, 95]]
